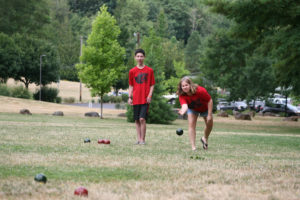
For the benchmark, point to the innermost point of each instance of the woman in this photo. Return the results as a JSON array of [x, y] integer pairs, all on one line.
[[195, 101]]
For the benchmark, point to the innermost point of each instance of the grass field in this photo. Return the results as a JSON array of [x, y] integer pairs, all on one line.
[[258, 159]]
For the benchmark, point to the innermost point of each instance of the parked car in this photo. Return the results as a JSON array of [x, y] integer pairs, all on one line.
[[171, 98], [280, 108], [239, 105], [259, 105], [224, 105]]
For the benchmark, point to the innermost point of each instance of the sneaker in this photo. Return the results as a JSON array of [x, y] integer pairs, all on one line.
[[142, 143], [138, 142]]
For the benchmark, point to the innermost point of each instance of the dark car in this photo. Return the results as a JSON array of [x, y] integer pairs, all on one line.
[[280, 108]]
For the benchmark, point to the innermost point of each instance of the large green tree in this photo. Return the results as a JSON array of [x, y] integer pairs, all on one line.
[[193, 52], [9, 57], [31, 49], [19, 16], [230, 64], [223, 63], [102, 57], [90, 7], [273, 26]]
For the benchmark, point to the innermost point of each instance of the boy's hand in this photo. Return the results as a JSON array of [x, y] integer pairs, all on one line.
[[130, 101], [148, 99]]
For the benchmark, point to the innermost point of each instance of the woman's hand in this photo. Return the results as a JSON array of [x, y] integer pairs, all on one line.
[[183, 109]]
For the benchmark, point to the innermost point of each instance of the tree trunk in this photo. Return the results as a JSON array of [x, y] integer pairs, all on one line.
[[101, 106]]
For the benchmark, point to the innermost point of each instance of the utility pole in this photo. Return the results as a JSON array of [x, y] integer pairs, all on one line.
[[80, 85], [40, 95], [138, 39]]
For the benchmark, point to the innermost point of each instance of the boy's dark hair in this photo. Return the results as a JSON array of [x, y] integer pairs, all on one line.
[[140, 51]]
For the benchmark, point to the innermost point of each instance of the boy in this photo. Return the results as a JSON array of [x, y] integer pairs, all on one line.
[[141, 85]]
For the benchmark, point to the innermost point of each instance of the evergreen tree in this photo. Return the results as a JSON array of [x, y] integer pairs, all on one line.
[[31, 49], [193, 53]]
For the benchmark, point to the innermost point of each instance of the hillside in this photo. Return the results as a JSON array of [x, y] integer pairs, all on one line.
[[66, 89], [14, 105]]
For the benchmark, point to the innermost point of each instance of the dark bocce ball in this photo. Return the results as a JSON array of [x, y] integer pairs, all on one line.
[[179, 131], [40, 178], [87, 140]]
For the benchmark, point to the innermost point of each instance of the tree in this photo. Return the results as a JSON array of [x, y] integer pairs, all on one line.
[[161, 25], [193, 52], [19, 16], [172, 50], [132, 16], [172, 82], [260, 77], [177, 13], [29, 67], [102, 57], [272, 26], [224, 63], [9, 57], [90, 7]]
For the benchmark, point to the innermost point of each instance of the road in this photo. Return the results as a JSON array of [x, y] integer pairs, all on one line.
[[94, 105]]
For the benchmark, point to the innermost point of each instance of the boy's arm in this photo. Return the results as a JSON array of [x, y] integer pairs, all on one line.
[[130, 90], [149, 97]]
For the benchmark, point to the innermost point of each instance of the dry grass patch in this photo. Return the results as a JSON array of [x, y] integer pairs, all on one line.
[[66, 89], [14, 105]]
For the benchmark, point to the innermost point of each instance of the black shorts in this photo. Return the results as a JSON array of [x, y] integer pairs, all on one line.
[[140, 111]]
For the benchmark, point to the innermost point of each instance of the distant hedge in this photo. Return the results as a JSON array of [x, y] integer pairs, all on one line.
[[17, 92]]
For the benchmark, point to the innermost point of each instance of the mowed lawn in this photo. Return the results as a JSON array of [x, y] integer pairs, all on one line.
[[258, 159]]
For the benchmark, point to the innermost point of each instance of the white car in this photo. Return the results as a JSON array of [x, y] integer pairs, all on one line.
[[239, 105], [171, 98], [281, 100], [293, 108]]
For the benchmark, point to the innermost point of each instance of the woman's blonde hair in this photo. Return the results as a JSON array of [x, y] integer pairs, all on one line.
[[188, 81]]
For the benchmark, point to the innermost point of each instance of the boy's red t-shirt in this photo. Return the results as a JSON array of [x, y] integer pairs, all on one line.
[[198, 101], [141, 80]]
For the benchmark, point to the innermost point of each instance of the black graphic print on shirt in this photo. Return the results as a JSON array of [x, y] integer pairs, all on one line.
[[195, 104], [141, 78]]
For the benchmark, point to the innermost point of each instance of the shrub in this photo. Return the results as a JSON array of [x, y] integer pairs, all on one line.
[[48, 94], [115, 99], [120, 106], [105, 98], [124, 97], [58, 100], [4, 90], [20, 92], [229, 112], [69, 100]]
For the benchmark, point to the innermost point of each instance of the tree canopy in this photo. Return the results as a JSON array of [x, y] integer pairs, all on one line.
[[273, 26], [102, 57]]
